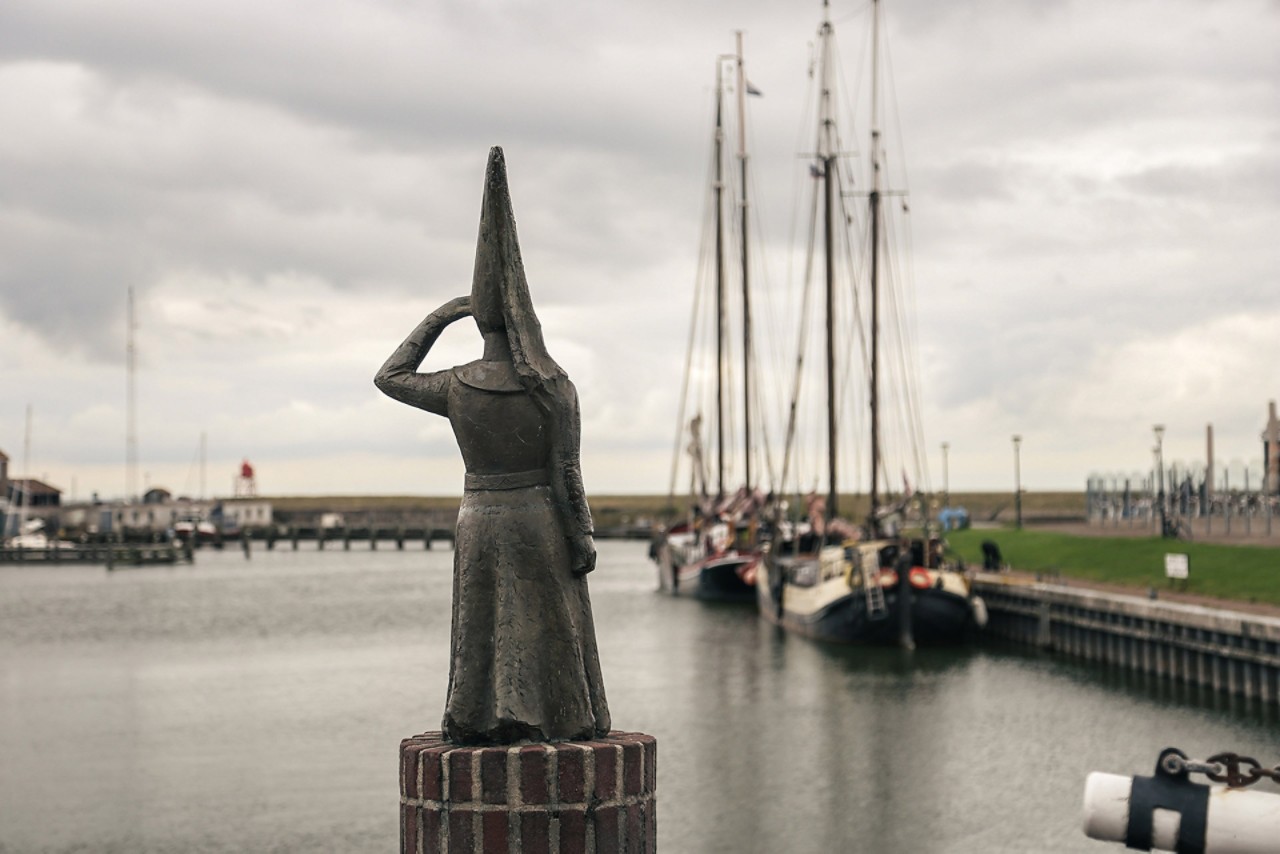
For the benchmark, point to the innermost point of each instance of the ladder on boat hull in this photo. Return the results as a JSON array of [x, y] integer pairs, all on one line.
[[876, 608]]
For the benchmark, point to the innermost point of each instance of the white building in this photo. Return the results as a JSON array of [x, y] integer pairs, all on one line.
[[159, 512]]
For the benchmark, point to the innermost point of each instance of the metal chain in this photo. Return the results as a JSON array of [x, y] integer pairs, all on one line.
[[1231, 768]]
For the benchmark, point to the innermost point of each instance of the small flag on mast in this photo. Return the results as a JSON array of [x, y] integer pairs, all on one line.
[[752, 90]]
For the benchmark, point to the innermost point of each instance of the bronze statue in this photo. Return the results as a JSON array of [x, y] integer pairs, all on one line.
[[523, 664]]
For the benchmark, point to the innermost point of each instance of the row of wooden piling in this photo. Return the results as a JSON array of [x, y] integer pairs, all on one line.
[[323, 536], [110, 554], [1227, 651]]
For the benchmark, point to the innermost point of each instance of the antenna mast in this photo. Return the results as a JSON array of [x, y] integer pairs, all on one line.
[[131, 424], [26, 476]]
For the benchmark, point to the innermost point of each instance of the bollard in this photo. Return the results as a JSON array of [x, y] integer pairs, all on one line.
[[1168, 812], [571, 796], [244, 539], [906, 634]]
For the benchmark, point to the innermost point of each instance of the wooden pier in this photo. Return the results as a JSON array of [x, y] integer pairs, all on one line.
[[1227, 651], [342, 537], [112, 555]]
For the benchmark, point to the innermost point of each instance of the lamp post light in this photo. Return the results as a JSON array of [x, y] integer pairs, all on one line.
[[1017, 481], [1164, 518], [946, 481]]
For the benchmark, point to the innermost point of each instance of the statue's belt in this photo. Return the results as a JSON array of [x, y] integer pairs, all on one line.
[[512, 480]]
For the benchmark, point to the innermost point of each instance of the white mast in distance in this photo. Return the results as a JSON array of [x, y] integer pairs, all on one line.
[[131, 416]]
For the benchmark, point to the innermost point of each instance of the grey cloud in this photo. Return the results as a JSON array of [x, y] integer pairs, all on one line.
[[1079, 177]]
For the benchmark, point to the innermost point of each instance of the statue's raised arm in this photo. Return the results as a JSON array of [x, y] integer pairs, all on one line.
[[398, 376]]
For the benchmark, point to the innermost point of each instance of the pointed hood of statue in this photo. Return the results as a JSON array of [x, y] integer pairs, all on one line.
[[499, 291]]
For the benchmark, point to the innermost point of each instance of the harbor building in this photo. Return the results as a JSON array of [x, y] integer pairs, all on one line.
[[159, 513], [34, 494], [25, 496]]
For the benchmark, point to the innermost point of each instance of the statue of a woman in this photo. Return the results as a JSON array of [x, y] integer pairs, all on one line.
[[523, 662]]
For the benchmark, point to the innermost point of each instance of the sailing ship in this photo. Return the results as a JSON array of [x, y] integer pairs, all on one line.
[[836, 582], [714, 552]]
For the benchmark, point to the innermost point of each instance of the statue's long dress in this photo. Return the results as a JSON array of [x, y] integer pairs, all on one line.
[[523, 662]]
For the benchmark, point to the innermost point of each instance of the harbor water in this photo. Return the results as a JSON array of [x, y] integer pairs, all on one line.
[[257, 705]]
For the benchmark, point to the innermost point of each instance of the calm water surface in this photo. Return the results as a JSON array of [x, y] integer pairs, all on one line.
[[246, 706]]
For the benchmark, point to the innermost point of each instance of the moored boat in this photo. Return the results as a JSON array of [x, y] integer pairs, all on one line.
[[866, 583], [713, 560], [713, 553], [854, 593]]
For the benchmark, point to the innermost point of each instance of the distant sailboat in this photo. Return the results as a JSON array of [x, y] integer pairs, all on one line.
[[714, 553], [865, 583]]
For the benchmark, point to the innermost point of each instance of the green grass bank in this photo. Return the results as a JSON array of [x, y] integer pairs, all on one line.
[[1241, 573]]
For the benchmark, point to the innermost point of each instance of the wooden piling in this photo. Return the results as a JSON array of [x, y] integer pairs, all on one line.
[[1231, 653]]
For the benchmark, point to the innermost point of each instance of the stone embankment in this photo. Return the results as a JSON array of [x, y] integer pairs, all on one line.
[[1224, 648]]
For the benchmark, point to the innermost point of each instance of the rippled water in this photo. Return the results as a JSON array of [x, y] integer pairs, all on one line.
[[258, 706]]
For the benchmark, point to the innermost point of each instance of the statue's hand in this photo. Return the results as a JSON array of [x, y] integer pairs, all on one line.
[[454, 309], [582, 553]]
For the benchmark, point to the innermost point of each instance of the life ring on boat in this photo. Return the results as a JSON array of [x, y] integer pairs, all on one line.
[[919, 578], [888, 578]]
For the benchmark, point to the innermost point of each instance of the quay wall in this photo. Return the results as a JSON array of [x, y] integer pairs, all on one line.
[[1227, 651]]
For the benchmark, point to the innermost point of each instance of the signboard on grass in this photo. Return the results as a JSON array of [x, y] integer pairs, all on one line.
[[1177, 566]]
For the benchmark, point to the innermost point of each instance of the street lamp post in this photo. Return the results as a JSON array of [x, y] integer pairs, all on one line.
[[1017, 481], [946, 481], [1164, 518]]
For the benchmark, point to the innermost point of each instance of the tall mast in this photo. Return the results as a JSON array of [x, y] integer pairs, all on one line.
[[204, 458], [875, 262], [826, 151], [720, 295], [26, 475], [746, 291], [131, 426]]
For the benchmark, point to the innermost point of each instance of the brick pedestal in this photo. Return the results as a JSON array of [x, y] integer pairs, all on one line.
[[582, 797]]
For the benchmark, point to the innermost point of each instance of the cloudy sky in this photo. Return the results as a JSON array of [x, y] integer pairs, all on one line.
[[290, 186]]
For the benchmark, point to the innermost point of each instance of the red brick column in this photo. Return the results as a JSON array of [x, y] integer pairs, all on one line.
[[581, 797]]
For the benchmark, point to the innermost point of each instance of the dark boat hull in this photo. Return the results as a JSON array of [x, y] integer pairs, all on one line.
[[722, 579], [938, 617], [726, 578]]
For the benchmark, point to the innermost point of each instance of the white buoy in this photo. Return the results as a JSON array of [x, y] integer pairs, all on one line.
[[979, 611], [1239, 821]]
